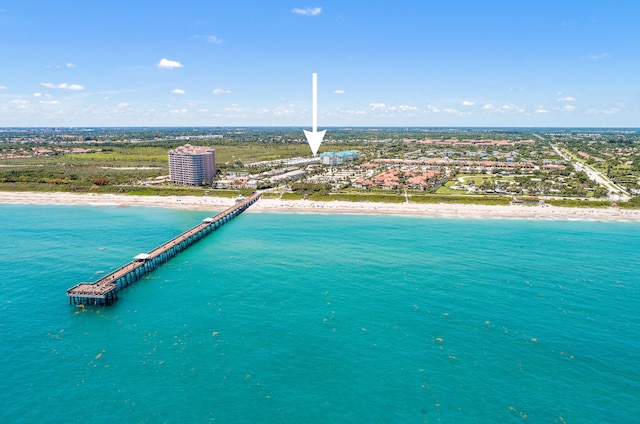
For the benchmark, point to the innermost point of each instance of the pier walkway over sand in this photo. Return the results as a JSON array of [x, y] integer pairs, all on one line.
[[105, 290]]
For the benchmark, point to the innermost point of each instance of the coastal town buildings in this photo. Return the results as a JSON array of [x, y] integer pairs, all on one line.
[[193, 165], [563, 164], [393, 179]]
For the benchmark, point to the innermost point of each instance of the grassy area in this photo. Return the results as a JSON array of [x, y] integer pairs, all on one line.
[[130, 190], [134, 190], [571, 203], [632, 204], [254, 152], [446, 190], [270, 195], [477, 179], [150, 156]]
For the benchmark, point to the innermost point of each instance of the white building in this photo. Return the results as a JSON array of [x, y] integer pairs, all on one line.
[[338, 158], [192, 164]]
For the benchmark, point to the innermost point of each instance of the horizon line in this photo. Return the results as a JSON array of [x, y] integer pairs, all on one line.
[[328, 127]]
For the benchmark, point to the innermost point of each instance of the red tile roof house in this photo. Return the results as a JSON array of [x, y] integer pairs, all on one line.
[[363, 183]]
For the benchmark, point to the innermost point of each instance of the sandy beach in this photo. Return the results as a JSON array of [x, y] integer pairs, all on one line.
[[306, 206]]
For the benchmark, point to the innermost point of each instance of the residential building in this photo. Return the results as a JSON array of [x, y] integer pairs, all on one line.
[[338, 158], [192, 165]]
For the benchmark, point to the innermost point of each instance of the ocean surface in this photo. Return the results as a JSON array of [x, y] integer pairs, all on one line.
[[293, 318]]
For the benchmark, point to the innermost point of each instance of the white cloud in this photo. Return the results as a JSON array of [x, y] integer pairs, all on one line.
[[597, 56], [353, 112], [377, 106], [540, 109], [123, 105], [309, 11], [338, 92], [178, 91], [451, 111], [406, 108], [168, 64], [210, 38], [20, 103], [468, 103], [37, 94], [506, 108], [74, 87], [567, 99], [3, 87], [178, 111], [49, 102], [341, 112], [433, 109], [70, 65], [282, 111], [220, 91], [569, 108], [509, 107], [608, 111], [234, 108]]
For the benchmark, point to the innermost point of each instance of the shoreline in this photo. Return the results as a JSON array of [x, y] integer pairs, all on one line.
[[332, 207]]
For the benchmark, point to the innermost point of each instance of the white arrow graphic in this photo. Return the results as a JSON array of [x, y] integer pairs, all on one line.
[[314, 138]]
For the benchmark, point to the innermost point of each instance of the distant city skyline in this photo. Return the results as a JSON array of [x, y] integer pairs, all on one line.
[[403, 63]]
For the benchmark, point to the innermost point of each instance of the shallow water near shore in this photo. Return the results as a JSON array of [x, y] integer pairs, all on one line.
[[316, 318]]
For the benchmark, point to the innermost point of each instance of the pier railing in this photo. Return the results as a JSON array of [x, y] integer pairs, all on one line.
[[105, 290]]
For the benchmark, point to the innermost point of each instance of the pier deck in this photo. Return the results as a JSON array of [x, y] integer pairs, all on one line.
[[105, 290]]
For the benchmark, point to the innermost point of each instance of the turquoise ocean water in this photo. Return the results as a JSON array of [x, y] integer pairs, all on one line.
[[320, 318]]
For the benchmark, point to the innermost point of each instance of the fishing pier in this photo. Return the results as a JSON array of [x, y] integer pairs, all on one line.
[[105, 290]]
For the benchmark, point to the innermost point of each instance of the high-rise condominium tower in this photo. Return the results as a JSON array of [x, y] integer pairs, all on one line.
[[192, 164]]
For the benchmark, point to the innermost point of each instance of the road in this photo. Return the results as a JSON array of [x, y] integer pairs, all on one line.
[[539, 136], [615, 192]]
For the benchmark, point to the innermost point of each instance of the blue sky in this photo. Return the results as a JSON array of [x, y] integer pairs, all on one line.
[[388, 63]]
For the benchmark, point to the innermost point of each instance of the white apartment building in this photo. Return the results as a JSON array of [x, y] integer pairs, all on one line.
[[338, 158], [192, 164]]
